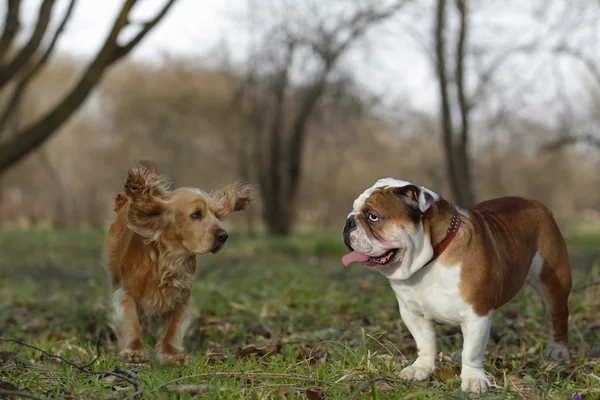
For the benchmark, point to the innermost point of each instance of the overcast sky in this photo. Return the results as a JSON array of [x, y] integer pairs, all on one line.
[[199, 27], [392, 64]]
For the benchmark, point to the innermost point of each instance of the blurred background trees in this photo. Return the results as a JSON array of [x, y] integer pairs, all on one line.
[[302, 110], [20, 63]]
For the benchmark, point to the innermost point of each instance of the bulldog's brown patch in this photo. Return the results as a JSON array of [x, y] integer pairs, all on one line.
[[495, 247], [394, 207]]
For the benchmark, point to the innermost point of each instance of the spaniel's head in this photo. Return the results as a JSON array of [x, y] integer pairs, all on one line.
[[186, 220]]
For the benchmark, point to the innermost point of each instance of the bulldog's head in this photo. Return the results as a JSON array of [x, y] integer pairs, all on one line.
[[385, 229]]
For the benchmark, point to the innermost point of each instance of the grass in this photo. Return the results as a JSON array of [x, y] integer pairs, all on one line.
[[273, 318]]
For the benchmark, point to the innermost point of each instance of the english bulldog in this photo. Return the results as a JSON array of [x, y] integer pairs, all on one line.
[[458, 266]]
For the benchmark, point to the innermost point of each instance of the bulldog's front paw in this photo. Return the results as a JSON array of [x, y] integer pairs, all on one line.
[[416, 372], [473, 380], [556, 352], [129, 355], [174, 359]]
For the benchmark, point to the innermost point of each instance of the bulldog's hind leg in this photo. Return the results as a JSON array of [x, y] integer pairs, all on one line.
[[423, 331], [552, 282]]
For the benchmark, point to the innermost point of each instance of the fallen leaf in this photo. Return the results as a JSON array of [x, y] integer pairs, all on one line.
[[314, 393], [518, 385], [282, 391], [260, 330], [259, 351], [6, 356], [110, 379], [444, 374], [215, 356], [4, 385], [384, 386], [311, 354]]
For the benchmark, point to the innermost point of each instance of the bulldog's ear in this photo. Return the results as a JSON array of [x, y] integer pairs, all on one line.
[[418, 197]]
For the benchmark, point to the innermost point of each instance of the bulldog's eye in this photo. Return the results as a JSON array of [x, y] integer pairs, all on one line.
[[372, 217], [196, 215]]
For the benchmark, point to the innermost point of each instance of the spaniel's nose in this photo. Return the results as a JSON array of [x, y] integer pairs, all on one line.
[[221, 236]]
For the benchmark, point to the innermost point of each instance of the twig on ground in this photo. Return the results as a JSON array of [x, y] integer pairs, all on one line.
[[17, 393], [264, 375], [369, 382], [123, 374], [180, 389]]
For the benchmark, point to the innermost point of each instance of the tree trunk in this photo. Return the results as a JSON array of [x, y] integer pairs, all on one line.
[[245, 174], [455, 149], [466, 197], [463, 167], [31, 137], [279, 219], [66, 213]]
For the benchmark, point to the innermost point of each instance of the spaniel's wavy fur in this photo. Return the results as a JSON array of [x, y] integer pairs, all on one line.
[[150, 254]]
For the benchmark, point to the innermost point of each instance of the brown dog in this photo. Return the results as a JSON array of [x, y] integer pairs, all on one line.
[[458, 266], [150, 255]]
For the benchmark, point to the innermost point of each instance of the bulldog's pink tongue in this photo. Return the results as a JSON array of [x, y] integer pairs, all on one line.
[[354, 257]]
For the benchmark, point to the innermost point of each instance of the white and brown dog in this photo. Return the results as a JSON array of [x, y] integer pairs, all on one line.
[[457, 266]]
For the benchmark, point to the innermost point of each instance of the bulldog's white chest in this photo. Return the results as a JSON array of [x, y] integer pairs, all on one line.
[[433, 292]]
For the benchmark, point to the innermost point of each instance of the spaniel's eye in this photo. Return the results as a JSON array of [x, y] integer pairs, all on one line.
[[372, 217], [196, 215]]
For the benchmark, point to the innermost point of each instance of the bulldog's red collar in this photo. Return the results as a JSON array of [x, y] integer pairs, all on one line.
[[450, 233]]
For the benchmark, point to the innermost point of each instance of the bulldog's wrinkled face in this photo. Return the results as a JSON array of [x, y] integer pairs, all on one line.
[[385, 229]]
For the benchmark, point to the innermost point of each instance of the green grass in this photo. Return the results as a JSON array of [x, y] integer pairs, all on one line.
[[273, 318]]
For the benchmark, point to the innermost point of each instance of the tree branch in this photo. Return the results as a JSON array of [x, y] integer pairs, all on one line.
[[280, 85], [10, 69], [120, 373], [330, 52], [447, 128], [19, 394], [125, 49], [33, 71], [460, 71], [569, 141], [11, 27], [587, 61], [486, 76], [14, 149]]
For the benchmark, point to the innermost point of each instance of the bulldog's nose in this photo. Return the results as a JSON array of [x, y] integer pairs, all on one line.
[[221, 236], [350, 223]]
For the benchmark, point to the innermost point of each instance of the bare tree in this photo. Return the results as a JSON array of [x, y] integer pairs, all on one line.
[[568, 137], [19, 65], [456, 144], [280, 134], [457, 104]]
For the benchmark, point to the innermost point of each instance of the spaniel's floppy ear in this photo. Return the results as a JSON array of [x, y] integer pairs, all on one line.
[[148, 194], [120, 201], [149, 165], [234, 197]]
